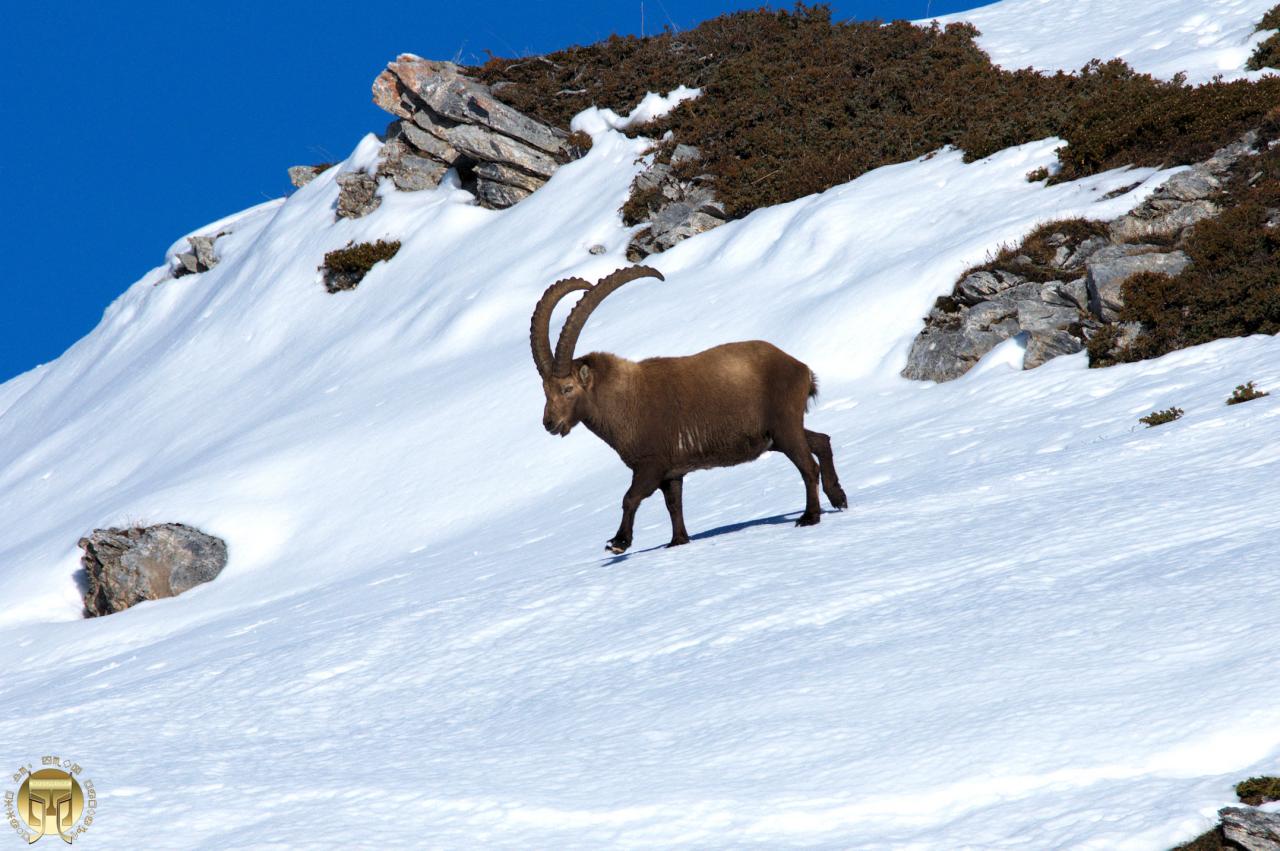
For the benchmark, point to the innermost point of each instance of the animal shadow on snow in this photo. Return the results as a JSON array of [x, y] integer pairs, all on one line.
[[775, 520]]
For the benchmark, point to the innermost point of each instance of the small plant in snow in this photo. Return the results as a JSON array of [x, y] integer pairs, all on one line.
[[1156, 418], [346, 267], [1257, 791], [1245, 393]]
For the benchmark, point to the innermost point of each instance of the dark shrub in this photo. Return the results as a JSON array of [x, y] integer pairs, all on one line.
[[793, 103], [1156, 418], [346, 267], [577, 145], [1246, 393], [1267, 54], [1257, 791], [1232, 287]]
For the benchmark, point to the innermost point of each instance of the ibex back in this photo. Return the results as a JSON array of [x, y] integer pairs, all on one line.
[[668, 416]]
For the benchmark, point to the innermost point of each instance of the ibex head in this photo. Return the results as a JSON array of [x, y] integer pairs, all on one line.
[[569, 389]]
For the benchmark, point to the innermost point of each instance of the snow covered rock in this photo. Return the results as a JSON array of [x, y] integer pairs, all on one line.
[[126, 566], [1253, 829], [449, 120]]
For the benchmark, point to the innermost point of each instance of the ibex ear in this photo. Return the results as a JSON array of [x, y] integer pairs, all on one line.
[[584, 375]]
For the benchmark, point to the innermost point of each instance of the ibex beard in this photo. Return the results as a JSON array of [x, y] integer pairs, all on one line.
[[666, 417]]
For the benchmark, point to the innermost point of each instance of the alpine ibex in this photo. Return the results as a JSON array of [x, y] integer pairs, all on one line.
[[668, 416]]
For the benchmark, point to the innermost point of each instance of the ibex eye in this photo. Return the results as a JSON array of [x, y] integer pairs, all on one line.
[[566, 390]]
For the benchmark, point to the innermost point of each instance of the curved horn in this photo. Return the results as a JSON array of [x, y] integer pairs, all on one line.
[[540, 326], [578, 316]]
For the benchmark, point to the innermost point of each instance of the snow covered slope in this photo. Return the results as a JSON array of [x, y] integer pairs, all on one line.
[[1201, 38], [1039, 626]]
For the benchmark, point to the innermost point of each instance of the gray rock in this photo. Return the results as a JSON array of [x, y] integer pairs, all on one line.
[[986, 315], [1080, 255], [301, 175], [1110, 267], [357, 194], [203, 246], [597, 249], [679, 210], [498, 196], [981, 286], [428, 143], [1069, 294], [1047, 345], [1224, 158], [445, 90], [1040, 318], [1252, 829], [408, 170], [685, 153], [201, 257], [450, 120], [1194, 184], [485, 146], [1152, 222], [500, 173], [947, 354], [126, 566]]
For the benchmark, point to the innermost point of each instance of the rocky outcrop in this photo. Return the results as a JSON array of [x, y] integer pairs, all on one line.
[[1184, 199], [1251, 829], [201, 257], [1083, 280], [1111, 266], [126, 566], [989, 307], [674, 208], [447, 120]]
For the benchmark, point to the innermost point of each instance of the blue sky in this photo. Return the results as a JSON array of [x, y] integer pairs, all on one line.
[[125, 126]]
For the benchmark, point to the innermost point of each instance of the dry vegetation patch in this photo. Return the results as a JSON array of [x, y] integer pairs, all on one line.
[[794, 103]]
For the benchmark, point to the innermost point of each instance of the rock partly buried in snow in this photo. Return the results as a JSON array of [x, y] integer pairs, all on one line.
[[301, 175], [201, 257], [1110, 267], [989, 307], [357, 194], [448, 120], [1251, 829], [126, 566], [677, 209]]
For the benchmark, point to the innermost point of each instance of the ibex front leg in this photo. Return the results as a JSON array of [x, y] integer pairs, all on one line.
[[643, 483]]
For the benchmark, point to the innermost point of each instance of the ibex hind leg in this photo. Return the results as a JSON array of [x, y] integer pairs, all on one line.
[[673, 491], [820, 445], [795, 446]]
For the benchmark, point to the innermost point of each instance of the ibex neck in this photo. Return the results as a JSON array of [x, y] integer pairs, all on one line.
[[613, 414]]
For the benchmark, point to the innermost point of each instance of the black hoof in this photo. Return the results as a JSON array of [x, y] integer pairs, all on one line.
[[617, 547], [838, 500], [808, 519], [675, 542]]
